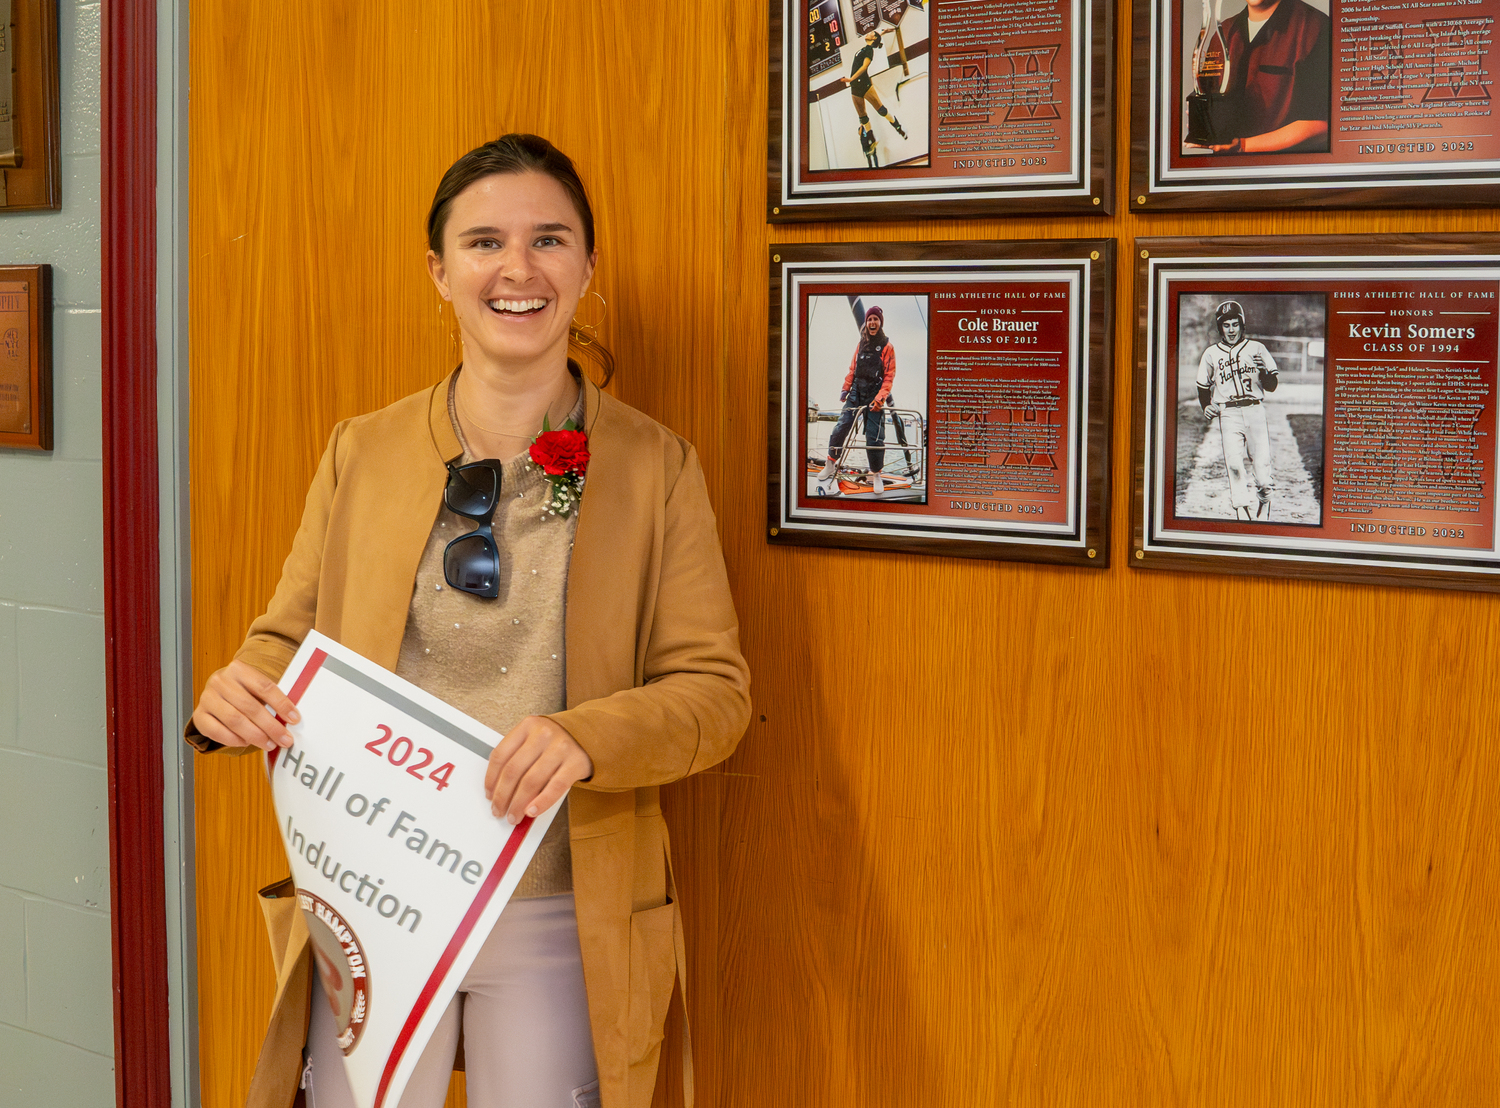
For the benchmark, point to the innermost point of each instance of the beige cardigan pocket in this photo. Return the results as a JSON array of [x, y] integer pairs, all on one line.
[[653, 969], [278, 904]]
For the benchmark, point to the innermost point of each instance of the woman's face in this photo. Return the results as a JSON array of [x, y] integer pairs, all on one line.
[[514, 266], [870, 38]]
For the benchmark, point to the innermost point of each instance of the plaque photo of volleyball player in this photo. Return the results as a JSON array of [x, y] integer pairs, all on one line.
[[866, 92], [867, 397], [906, 109], [1250, 406]]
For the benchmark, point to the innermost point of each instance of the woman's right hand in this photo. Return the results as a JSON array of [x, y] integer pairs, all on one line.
[[232, 710]]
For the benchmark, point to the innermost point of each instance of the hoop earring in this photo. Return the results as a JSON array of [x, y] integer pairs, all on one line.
[[586, 334], [453, 331]]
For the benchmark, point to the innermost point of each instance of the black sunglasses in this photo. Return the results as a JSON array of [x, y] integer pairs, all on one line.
[[471, 563]]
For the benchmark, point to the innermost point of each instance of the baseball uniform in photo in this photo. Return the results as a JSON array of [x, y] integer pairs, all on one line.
[[1231, 372]]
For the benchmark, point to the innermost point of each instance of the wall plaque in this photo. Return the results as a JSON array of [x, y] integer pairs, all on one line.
[[1320, 407], [890, 109], [26, 356], [943, 398], [1337, 103], [30, 169]]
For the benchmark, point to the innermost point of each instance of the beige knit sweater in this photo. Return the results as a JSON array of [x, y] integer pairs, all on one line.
[[501, 660]]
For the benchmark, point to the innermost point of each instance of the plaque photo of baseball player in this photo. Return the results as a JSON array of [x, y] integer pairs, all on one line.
[[1250, 372], [867, 397]]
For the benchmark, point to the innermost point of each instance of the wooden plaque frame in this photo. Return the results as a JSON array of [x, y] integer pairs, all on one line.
[[1380, 292], [37, 288], [1358, 171], [1089, 189], [36, 184], [1074, 529]]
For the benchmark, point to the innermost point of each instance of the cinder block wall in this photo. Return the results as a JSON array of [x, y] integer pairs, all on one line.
[[56, 1033]]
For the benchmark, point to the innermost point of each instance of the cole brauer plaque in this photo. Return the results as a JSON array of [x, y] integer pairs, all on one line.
[[1325, 408], [1241, 100], [943, 398]]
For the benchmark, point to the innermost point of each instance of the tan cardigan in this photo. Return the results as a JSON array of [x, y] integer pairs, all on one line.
[[656, 687]]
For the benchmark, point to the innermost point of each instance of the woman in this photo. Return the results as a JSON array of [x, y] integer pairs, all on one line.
[[861, 88], [574, 984], [872, 372]]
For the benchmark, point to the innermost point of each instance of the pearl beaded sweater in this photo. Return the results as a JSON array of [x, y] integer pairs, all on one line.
[[501, 660]]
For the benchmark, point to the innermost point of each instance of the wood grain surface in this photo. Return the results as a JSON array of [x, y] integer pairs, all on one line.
[[999, 834]]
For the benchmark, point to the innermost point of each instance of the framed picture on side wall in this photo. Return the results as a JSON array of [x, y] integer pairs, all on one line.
[[943, 398], [900, 109], [1325, 103], [1321, 407], [30, 114]]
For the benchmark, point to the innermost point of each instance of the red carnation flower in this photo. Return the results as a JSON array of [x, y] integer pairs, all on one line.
[[561, 452]]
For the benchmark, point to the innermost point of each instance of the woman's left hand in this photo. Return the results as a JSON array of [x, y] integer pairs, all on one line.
[[533, 768]]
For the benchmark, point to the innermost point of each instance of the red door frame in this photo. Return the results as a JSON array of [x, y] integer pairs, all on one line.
[[132, 557]]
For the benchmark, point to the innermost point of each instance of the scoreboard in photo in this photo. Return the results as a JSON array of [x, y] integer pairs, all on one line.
[[825, 36]]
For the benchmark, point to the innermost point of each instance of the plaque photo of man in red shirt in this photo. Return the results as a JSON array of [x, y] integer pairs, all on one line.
[[1274, 94]]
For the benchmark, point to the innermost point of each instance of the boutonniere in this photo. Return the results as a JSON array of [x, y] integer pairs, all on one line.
[[563, 455]]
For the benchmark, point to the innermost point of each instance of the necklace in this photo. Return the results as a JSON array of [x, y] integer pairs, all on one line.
[[463, 409]]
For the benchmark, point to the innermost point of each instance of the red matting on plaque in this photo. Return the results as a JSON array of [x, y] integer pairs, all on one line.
[[1409, 83], [1407, 407], [998, 399], [1000, 104]]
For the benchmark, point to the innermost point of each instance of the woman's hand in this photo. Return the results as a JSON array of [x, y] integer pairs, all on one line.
[[847, 80], [232, 709], [533, 767]]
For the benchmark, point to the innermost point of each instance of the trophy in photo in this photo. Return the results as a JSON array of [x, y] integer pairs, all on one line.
[[1205, 104]]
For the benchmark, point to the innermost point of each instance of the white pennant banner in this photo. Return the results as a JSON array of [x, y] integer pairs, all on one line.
[[401, 869]]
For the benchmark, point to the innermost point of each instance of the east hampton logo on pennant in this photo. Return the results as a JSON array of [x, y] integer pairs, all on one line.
[[401, 869]]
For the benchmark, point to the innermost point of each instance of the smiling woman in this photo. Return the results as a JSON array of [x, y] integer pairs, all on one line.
[[511, 247], [434, 542]]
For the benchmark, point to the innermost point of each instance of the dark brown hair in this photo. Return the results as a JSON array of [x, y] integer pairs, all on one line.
[[521, 154]]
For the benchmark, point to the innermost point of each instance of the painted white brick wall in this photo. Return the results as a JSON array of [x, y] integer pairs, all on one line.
[[56, 1036]]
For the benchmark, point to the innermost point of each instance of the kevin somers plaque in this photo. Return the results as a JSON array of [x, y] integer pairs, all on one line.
[[1324, 408]]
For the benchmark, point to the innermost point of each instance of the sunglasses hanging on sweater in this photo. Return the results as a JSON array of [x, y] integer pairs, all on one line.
[[471, 563]]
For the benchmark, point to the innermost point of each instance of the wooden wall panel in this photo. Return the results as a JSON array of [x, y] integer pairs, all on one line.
[[1019, 835], [999, 834], [319, 133]]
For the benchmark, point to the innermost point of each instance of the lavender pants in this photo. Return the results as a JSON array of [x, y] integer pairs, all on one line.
[[527, 1042]]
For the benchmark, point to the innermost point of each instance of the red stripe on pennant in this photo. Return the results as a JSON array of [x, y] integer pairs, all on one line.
[[455, 944], [304, 679]]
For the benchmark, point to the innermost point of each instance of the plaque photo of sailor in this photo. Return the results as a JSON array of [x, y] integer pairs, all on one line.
[[867, 397], [1250, 371], [1256, 77], [867, 86]]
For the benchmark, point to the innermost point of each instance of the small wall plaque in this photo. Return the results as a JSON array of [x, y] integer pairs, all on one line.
[[26, 356], [30, 120]]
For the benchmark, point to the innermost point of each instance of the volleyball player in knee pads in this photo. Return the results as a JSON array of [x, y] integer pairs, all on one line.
[[861, 88]]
